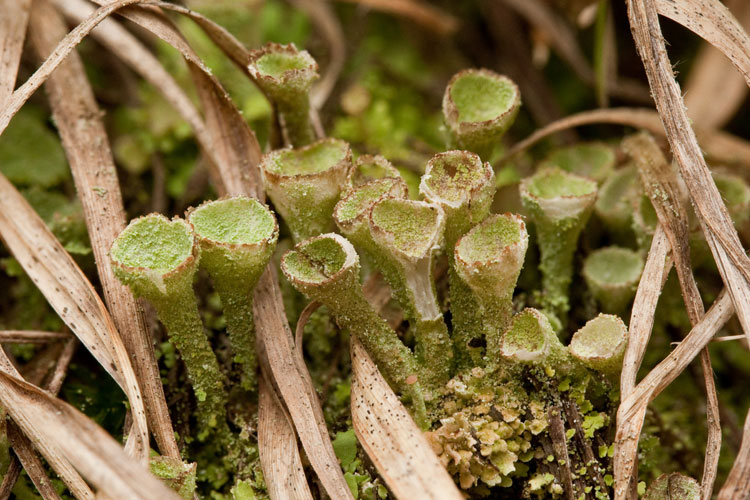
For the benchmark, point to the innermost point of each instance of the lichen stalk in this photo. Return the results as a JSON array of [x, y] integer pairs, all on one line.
[[489, 259], [237, 237], [286, 75], [306, 183], [406, 235], [559, 203], [479, 106], [157, 258], [326, 268], [464, 187]]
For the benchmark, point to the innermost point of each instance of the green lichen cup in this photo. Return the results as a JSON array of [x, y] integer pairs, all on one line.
[[489, 259], [600, 344], [368, 168], [306, 183], [479, 106], [286, 75], [595, 160], [237, 237], [612, 275]]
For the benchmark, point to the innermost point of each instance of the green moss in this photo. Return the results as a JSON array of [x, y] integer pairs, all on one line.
[[480, 97]]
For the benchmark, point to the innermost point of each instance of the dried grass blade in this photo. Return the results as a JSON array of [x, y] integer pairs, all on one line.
[[277, 444], [87, 446], [14, 18], [57, 461], [737, 484], [132, 52], [733, 263], [31, 463], [711, 74], [719, 146], [30, 336], [291, 379], [632, 409], [391, 439], [87, 148], [72, 296], [711, 20], [661, 185]]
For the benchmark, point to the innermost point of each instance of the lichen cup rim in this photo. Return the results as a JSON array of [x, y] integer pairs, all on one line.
[[382, 235], [275, 48], [269, 240], [532, 356], [350, 261], [344, 162], [480, 182], [363, 216], [188, 261], [586, 271], [452, 113], [560, 206], [613, 349], [521, 242]]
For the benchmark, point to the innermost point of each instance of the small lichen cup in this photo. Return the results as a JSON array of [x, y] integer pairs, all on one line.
[[326, 268], [237, 237], [559, 203], [286, 75], [407, 234], [479, 106], [157, 258], [489, 259], [595, 160], [368, 168], [600, 345], [306, 183], [612, 275], [464, 187]]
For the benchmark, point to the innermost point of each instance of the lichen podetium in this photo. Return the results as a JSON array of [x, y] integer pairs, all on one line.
[[157, 258]]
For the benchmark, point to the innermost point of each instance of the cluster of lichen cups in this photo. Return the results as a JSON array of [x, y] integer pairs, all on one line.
[[480, 381]]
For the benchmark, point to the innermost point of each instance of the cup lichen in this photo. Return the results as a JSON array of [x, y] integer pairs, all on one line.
[[157, 258], [237, 237], [612, 275]]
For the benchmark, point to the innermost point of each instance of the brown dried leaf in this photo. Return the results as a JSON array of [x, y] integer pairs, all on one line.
[[294, 385], [54, 457], [711, 20], [30, 336], [661, 185], [80, 441], [711, 74], [277, 445], [14, 17], [632, 409], [73, 297], [84, 138], [391, 439]]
